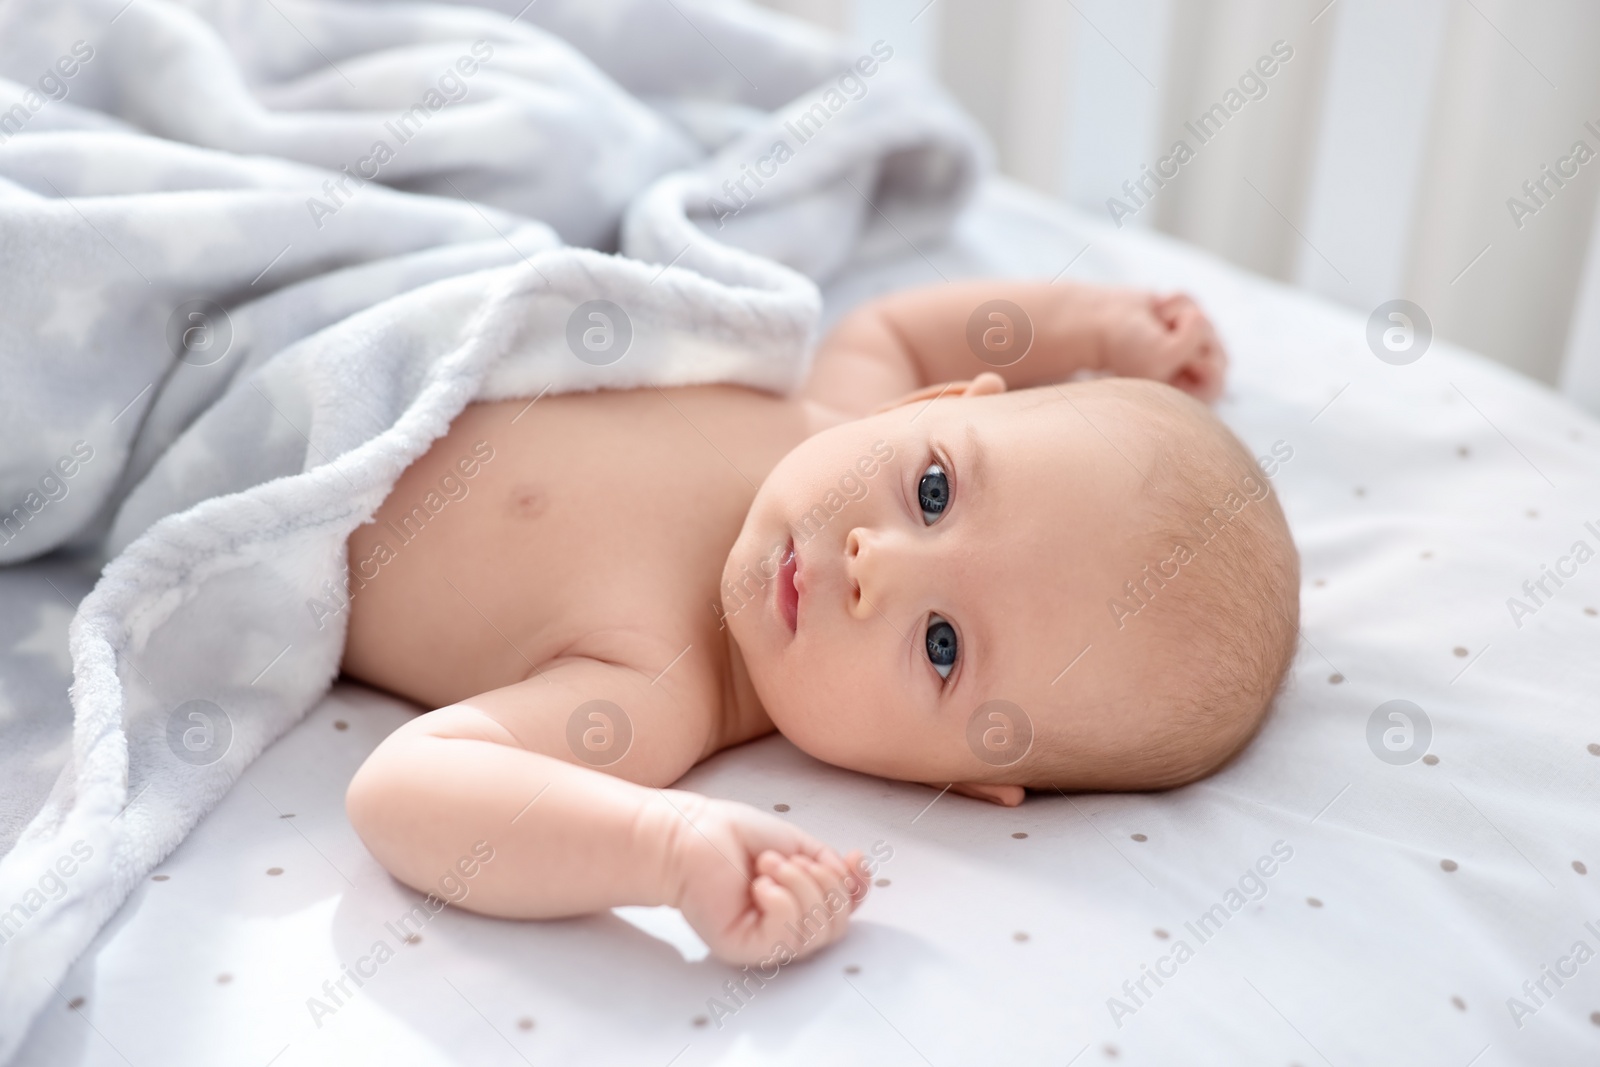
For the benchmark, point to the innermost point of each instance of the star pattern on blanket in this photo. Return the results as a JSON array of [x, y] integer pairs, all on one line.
[[202, 235]]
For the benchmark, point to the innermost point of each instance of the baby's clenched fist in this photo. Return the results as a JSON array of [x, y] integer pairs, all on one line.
[[1167, 338], [755, 888]]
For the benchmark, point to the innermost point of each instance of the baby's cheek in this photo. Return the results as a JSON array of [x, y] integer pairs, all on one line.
[[820, 694]]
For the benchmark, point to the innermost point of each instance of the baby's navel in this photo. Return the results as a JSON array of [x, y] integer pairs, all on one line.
[[527, 502]]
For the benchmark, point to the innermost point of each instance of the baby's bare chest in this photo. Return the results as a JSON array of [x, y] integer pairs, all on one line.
[[571, 526]]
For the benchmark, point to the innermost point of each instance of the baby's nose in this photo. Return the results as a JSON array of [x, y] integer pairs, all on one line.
[[870, 565]]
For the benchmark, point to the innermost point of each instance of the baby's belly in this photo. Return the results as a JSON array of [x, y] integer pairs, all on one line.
[[524, 532], [437, 613]]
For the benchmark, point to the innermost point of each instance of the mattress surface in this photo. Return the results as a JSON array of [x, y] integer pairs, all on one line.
[[1357, 888]]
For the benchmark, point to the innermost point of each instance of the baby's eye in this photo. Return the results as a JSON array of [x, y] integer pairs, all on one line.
[[933, 493], [941, 641]]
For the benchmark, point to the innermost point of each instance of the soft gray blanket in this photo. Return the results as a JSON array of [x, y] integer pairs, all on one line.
[[256, 256]]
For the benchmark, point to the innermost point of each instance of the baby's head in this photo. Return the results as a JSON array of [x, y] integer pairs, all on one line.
[[1086, 587]]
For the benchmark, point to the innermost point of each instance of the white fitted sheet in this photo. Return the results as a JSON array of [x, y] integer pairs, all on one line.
[[1421, 497]]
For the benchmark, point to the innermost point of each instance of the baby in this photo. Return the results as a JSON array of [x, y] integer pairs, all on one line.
[[1059, 573]]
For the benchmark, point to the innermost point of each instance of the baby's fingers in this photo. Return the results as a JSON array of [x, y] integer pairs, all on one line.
[[852, 874], [800, 876], [824, 922], [857, 881], [776, 903], [1173, 308], [846, 874], [836, 902], [829, 859], [788, 872]]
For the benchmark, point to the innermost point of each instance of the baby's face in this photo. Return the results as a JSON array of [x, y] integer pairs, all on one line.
[[944, 555]]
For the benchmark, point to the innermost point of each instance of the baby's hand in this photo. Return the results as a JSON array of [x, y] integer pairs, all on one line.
[[1167, 338], [757, 889]]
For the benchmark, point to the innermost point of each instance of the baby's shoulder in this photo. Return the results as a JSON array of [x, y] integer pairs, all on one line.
[[630, 719]]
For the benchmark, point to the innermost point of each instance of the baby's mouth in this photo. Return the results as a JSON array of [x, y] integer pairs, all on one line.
[[788, 591]]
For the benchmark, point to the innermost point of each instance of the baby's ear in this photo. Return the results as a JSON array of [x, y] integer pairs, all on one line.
[[1008, 796], [985, 384]]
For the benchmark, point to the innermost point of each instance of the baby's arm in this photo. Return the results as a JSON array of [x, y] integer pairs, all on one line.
[[906, 341], [569, 840]]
